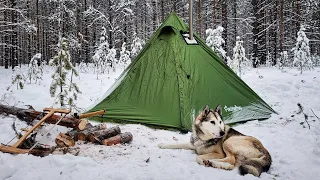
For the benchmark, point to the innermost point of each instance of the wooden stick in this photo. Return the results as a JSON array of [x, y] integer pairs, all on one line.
[[65, 111], [86, 115], [18, 143], [36, 152]]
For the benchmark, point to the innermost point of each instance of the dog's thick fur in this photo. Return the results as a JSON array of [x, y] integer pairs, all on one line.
[[220, 146]]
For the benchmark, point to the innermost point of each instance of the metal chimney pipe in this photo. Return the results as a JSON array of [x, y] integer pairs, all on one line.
[[190, 21]]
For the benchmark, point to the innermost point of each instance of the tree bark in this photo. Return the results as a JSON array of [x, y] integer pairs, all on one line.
[[82, 135], [28, 115], [199, 17], [121, 138], [99, 136]]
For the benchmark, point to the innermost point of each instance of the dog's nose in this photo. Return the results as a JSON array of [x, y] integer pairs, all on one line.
[[221, 133]]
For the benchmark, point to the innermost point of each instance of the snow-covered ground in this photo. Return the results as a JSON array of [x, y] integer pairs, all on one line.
[[295, 149]]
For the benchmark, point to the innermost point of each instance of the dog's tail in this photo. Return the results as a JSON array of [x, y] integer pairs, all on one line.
[[256, 166]]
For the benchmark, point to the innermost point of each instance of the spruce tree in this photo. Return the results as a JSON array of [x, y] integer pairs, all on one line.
[[35, 69], [136, 46], [101, 52], [302, 57], [215, 41], [62, 66], [239, 62], [124, 59]]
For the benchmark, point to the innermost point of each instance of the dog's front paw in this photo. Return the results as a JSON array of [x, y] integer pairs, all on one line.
[[200, 160], [207, 163], [161, 146]]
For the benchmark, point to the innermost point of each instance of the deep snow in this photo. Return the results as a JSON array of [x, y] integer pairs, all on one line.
[[295, 150]]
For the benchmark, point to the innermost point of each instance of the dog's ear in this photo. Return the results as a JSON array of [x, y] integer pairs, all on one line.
[[206, 110], [218, 110]]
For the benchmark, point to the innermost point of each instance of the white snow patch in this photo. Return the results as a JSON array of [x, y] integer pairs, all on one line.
[[295, 150]]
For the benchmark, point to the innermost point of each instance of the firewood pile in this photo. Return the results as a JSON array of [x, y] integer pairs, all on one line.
[[81, 131], [98, 134]]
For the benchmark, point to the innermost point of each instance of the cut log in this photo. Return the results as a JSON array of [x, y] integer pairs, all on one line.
[[121, 138], [63, 140], [82, 135], [98, 136], [29, 115]]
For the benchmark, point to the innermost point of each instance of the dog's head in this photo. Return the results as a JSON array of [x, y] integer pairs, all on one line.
[[210, 123]]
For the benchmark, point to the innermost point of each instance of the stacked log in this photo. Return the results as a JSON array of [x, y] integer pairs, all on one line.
[[98, 134], [82, 130]]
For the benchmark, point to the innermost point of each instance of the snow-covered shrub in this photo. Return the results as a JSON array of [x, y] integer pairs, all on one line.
[[100, 55], [35, 72], [18, 78], [136, 46], [268, 60], [316, 60], [215, 41], [111, 59], [283, 60], [124, 59], [302, 57], [239, 62], [62, 66]]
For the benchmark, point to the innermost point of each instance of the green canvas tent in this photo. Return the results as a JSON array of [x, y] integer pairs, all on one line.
[[172, 80]]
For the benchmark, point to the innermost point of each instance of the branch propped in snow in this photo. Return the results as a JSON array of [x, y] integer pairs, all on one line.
[[304, 114]]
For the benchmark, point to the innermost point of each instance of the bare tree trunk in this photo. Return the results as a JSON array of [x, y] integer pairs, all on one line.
[[199, 17], [281, 25], [6, 40], [225, 25], [298, 14], [110, 20], [214, 17], [255, 33], [162, 11]]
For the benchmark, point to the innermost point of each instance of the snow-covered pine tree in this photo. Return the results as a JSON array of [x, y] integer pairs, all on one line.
[[62, 64], [215, 41], [302, 57], [239, 62], [136, 46], [100, 56], [35, 72], [124, 59]]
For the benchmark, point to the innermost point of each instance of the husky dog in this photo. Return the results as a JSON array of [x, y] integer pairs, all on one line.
[[219, 146]]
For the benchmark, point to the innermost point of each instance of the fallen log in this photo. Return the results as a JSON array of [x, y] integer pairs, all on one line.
[[82, 135], [118, 139], [99, 136], [29, 115]]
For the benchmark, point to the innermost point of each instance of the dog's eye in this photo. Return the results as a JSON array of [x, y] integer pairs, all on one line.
[[220, 122], [212, 122]]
